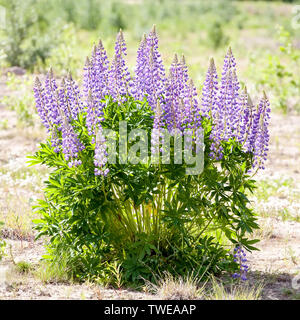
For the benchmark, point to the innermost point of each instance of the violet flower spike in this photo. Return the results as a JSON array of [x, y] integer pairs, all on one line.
[[100, 76], [74, 97], [51, 99], [155, 88], [209, 107], [261, 144], [174, 95], [139, 89], [119, 76], [240, 258], [100, 156], [40, 103], [71, 146]]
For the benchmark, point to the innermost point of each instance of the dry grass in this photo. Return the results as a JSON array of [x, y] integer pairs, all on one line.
[[176, 288], [239, 291], [190, 288]]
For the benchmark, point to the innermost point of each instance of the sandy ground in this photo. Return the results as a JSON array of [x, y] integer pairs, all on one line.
[[276, 264]]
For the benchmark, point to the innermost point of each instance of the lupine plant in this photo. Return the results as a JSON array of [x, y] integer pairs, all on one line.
[[106, 200], [240, 257]]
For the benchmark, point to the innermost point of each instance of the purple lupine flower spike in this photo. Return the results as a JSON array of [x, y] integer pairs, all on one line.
[[227, 107], [71, 145], [250, 112], [209, 92], [253, 130], [150, 73], [174, 93], [100, 157], [261, 145], [156, 77], [87, 77], [100, 73], [119, 76], [64, 103], [91, 116], [184, 68], [141, 70], [240, 258], [74, 97], [228, 97], [51, 99], [211, 110], [40, 102]]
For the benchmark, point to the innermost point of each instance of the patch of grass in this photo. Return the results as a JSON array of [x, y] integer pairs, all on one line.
[[58, 270], [286, 209], [277, 212], [170, 287], [17, 215], [22, 176], [291, 293], [3, 124], [24, 267], [287, 292], [287, 216], [190, 288], [21, 100], [240, 291], [274, 187], [19, 186], [296, 296], [291, 256], [265, 231]]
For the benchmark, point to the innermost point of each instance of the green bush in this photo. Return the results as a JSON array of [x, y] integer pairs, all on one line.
[[112, 210], [148, 218]]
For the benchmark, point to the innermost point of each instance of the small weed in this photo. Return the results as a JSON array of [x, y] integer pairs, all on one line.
[[296, 296], [4, 124], [290, 253], [24, 267], [56, 270], [287, 292], [116, 271]]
